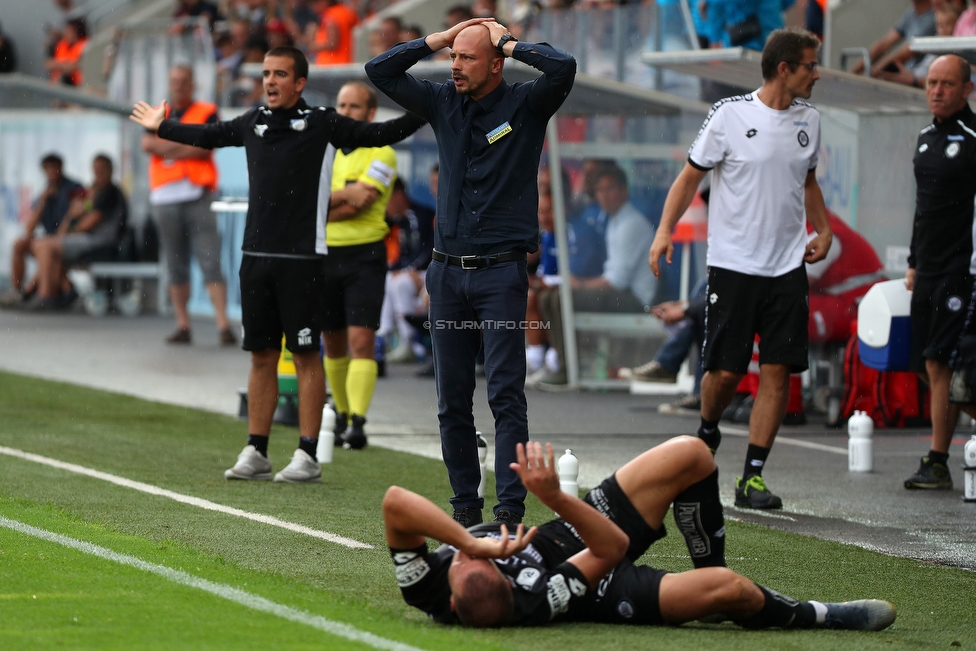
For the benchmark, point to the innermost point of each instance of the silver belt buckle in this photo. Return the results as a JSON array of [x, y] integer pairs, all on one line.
[[465, 259]]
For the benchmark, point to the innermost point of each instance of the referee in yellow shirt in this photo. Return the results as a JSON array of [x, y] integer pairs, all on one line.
[[355, 268]]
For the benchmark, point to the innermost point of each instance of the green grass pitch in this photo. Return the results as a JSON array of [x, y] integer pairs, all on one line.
[[54, 597]]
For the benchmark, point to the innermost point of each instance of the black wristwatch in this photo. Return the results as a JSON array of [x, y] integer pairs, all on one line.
[[502, 41]]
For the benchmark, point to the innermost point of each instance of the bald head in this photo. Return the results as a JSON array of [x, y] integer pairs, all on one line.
[[947, 86], [476, 66]]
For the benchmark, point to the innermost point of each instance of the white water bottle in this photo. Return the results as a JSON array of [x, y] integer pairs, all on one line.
[[482, 457], [860, 447], [568, 469], [323, 451], [969, 470]]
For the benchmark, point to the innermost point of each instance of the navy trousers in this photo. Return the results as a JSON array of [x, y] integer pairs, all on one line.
[[466, 308]]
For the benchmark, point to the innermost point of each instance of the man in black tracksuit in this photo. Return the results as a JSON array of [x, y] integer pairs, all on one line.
[[290, 148], [939, 273]]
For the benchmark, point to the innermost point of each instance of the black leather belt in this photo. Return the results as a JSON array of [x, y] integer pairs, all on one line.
[[477, 261]]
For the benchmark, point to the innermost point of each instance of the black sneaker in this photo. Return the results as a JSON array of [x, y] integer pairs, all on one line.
[[930, 475], [509, 518], [799, 418], [468, 517], [355, 437], [342, 422], [863, 615], [753, 494], [737, 400]]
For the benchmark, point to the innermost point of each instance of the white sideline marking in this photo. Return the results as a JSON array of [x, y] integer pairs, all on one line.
[[241, 597], [786, 440], [186, 499]]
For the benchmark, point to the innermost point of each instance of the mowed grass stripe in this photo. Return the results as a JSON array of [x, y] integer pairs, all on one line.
[[185, 499], [227, 592]]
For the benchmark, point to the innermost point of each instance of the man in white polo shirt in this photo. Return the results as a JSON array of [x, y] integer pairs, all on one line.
[[762, 148]]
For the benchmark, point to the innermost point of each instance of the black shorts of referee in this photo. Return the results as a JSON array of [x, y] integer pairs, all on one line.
[[281, 295], [740, 306], [938, 315], [355, 281]]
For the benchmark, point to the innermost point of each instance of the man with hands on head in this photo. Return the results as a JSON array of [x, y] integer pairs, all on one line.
[[489, 139], [579, 567], [290, 147]]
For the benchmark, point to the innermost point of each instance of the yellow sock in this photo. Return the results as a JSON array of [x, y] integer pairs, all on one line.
[[360, 384], [336, 370]]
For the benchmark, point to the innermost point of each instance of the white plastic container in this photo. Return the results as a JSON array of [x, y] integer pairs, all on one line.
[[860, 446], [482, 458], [568, 469], [884, 327], [323, 451], [969, 470]]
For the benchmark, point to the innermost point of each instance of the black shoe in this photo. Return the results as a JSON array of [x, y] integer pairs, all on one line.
[[737, 400], [468, 517], [342, 421], [355, 437], [744, 413], [863, 615], [931, 475], [753, 494], [509, 518], [180, 336], [381, 368]]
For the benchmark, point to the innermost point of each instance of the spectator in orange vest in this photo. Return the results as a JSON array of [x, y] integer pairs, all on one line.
[[182, 182], [332, 42], [64, 65]]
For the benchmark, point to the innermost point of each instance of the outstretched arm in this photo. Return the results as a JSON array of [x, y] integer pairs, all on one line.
[[606, 543], [207, 136], [410, 519], [355, 134]]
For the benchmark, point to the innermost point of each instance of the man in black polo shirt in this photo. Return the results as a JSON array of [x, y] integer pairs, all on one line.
[[290, 148], [939, 273], [489, 139]]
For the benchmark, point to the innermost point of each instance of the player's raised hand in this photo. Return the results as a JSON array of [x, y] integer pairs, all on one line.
[[149, 116], [537, 469]]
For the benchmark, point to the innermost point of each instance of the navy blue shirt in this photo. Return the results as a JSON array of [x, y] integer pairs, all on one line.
[[499, 200]]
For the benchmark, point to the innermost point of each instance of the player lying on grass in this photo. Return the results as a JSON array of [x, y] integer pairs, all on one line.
[[579, 567]]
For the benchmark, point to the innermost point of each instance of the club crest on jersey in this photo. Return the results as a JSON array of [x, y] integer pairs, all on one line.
[[803, 138], [750, 133], [952, 150], [924, 148], [299, 125], [954, 303], [712, 298], [259, 130]]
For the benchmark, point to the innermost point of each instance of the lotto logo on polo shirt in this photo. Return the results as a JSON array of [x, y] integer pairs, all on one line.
[[499, 132], [305, 337]]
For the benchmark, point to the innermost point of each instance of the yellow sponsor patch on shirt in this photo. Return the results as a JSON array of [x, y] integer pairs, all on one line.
[[498, 132]]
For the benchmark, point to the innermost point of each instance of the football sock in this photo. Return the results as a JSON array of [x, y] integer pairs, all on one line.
[[308, 445], [938, 457], [782, 612], [698, 514], [360, 383], [708, 432], [755, 460], [259, 442], [336, 370]]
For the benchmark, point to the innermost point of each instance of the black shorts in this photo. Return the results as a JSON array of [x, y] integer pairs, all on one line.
[[740, 306], [280, 295], [938, 315], [630, 594], [355, 281]]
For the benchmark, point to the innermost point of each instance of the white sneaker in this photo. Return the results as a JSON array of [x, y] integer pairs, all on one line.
[[402, 354], [532, 379], [302, 469], [251, 464]]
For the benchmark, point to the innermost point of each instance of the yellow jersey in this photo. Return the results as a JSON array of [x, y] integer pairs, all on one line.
[[375, 166]]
